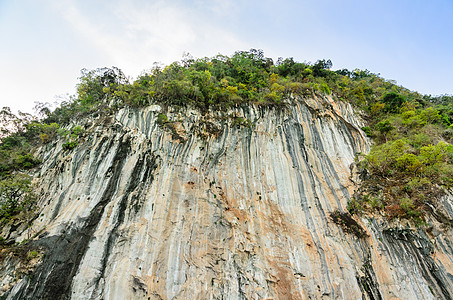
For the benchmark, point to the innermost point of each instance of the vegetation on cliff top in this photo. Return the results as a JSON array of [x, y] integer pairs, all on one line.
[[411, 159], [222, 82]]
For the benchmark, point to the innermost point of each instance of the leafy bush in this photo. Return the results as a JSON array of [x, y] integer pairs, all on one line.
[[161, 119], [70, 145], [24, 162], [384, 127], [46, 132], [16, 195], [71, 136], [393, 102], [367, 131], [16, 146], [325, 89], [32, 254], [76, 131]]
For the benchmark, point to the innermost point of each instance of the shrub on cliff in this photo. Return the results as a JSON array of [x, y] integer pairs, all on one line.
[[393, 102], [16, 195]]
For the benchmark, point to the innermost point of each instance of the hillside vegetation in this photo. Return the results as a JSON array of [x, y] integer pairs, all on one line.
[[410, 164]]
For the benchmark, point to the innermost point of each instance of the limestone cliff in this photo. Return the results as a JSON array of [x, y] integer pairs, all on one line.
[[139, 212]]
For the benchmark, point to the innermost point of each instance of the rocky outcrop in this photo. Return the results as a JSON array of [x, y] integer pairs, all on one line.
[[142, 211]]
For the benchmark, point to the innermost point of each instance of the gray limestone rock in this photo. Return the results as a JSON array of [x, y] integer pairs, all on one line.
[[139, 212]]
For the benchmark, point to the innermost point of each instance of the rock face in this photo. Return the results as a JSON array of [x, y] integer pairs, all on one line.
[[138, 212]]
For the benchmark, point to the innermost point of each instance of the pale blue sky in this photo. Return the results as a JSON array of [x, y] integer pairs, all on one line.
[[45, 44]]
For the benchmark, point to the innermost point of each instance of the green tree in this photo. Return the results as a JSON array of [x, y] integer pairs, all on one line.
[[384, 127], [393, 102], [94, 85], [16, 194], [321, 67]]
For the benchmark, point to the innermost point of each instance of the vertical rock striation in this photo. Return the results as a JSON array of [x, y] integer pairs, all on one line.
[[133, 213]]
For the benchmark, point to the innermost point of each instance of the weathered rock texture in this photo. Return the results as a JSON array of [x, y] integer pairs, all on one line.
[[134, 213]]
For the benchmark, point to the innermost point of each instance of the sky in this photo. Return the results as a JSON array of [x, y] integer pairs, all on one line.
[[44, 44]]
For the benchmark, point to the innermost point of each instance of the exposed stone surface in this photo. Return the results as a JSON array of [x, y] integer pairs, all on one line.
[[137, 212]]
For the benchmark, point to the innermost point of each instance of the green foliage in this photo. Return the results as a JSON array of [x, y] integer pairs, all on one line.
[[325, 88], [430, 115], [46, 132], [16, 195], [13, 141], [161, 119], [11, 124], [96, 85], [76, 131], [70, 145], [220, 82], [71, 136], [384, 126], [16, 146], [399, 157], [413, 120], [393, 102], [321, 68], [409, 174], [367, 131], [24, 162], [411, 160], [406, 204], [32, 254], [241, 122], [288, 67]]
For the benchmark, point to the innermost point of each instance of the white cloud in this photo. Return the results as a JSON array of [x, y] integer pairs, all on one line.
[[62, 37], [133, 35]]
